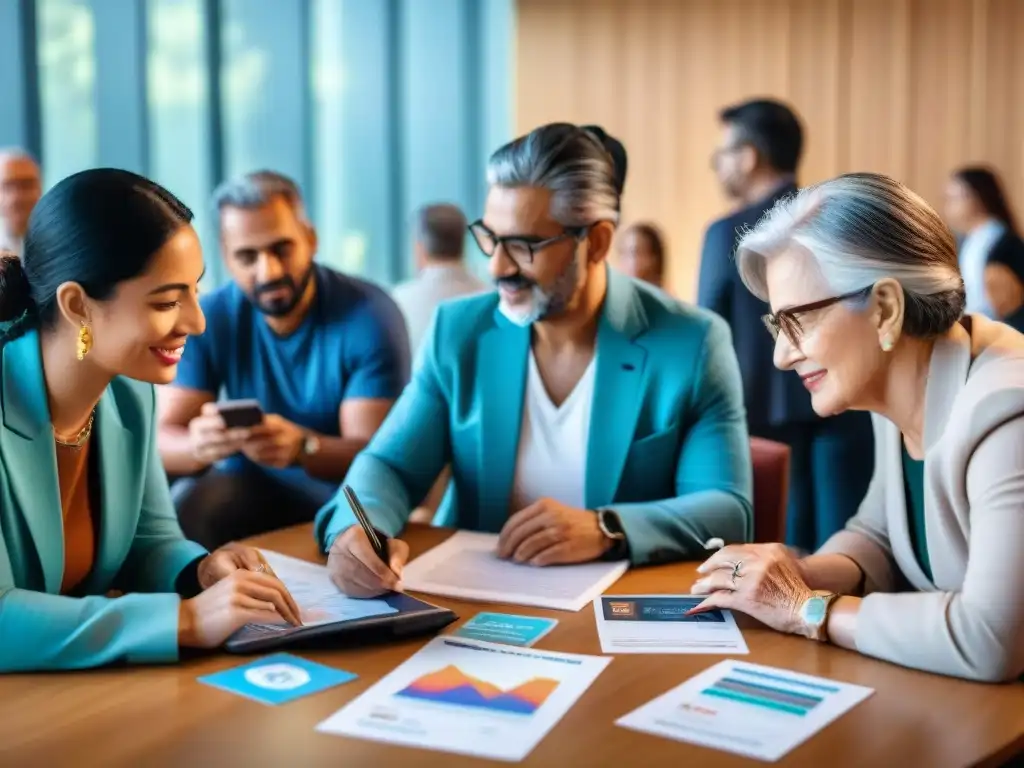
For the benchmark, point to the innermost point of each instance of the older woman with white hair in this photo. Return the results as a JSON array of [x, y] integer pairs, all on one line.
[[867, 308]]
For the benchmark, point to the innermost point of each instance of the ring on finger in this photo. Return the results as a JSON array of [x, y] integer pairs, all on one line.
[[736, 570]]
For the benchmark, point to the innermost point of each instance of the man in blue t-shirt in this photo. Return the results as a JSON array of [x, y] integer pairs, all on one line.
[[324, 354]]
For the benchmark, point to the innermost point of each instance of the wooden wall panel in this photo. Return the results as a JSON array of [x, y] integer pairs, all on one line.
[[912, 88]]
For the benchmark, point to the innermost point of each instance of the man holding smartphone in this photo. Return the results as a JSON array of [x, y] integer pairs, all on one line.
[[308, 362]]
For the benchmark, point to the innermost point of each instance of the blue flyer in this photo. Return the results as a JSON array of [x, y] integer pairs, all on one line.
[[277, 679], [506, 628]]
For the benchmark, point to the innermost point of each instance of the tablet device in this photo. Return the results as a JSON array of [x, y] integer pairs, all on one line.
[[411, 617], [239, 414]]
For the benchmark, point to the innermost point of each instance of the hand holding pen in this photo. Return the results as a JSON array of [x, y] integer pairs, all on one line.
[[362, 561]]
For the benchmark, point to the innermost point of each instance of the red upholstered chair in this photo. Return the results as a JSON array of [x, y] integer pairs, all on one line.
[[771, 488]]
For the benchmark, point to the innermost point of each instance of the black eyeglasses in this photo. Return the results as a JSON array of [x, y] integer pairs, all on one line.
[[787, 320], [520, 248]]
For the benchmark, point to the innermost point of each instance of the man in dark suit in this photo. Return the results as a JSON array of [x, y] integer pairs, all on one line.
[[832, 459]]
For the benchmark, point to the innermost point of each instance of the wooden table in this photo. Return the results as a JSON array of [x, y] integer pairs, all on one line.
[[162, 717]]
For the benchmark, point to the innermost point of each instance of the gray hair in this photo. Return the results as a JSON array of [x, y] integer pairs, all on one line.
[[441, 229], [568, 161], [861, 228], [257, 189]]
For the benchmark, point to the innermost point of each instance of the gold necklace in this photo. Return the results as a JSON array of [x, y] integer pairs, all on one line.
[[81, 438]]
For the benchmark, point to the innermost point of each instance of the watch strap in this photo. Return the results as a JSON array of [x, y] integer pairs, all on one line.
[[611, 526]]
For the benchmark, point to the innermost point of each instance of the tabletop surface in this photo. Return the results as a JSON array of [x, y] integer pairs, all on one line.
[[161, 716]]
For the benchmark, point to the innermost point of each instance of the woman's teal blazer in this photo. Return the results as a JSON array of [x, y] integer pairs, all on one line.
[[140, 547]]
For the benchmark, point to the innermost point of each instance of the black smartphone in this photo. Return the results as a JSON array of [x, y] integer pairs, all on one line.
[[239, 414]]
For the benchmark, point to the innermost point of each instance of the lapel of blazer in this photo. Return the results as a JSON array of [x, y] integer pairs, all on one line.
[[947, 374], [501, 383], [618, 389], [32, 459]]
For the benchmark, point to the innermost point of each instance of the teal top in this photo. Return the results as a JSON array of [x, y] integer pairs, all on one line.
[[140, 548], [913, 485]]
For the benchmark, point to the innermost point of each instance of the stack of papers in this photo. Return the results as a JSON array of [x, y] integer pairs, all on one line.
[[659, 624], [761, 712], [467, 566], [471, 697]]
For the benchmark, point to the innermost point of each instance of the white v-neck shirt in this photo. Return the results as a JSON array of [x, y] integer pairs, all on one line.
[[552, 457]]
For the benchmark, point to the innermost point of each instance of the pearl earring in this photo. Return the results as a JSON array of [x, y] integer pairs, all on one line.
[[887, 344]]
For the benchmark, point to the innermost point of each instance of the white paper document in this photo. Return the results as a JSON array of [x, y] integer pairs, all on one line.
[[659, 624], [757, 711], [470, 697], [467, 566], [318, 598]]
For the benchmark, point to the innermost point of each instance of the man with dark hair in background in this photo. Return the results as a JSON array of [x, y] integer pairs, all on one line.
[[324, 354], [440, 235], [832, 459]]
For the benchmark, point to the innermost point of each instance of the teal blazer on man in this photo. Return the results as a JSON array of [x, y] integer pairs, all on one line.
[[668, 447], [140, 547]]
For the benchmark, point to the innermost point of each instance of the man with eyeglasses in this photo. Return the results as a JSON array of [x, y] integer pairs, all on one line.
[[831, 459], [584, 415]]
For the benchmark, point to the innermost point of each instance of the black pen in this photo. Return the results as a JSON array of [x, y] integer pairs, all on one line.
[[380, 546]]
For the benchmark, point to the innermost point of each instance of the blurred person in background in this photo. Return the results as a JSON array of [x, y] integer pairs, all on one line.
[[324, 354], [756, 163], [21, 185], [642, 253], [1004, 286], [440, 237], [991, 248]]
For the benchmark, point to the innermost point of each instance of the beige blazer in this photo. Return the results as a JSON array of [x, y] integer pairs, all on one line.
[[970, 622]]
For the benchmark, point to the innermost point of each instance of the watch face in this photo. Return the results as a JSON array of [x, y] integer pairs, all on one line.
[[610, 523], [814, 610]]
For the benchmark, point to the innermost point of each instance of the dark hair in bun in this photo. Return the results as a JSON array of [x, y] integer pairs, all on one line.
[[15, 298], [97, 228]]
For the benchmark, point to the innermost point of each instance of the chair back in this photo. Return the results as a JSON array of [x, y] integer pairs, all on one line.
[[771, 489]]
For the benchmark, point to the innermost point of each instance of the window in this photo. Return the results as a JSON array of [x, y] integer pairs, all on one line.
[[67, 84], [263, 87], [372, 107], [178, 110], [351, 72]]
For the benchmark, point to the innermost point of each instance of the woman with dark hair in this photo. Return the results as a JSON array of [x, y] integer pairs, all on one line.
[[991, 252], [642, 253], [100, 305]]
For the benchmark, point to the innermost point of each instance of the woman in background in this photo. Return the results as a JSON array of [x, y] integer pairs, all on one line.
[[991, 250], [101, 303], [867, 308], [642, 253]]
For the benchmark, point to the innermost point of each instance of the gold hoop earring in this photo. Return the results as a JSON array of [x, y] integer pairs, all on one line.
[[887, 344], [84, 341]]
